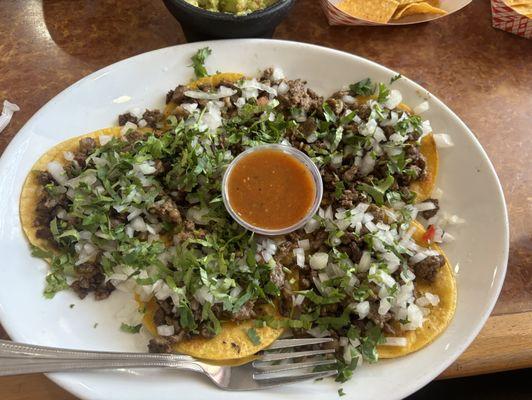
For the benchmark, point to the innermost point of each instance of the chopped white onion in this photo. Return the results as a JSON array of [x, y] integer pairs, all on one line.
[[396, 341], [311, 226], [104, 139], [443, 140], [394, 99], [426, 206], [165, 330], [421, 107], [68, 155], [365, 261], [304, 244], [57, 171], [223, 91], [300, 257], [362, 309], [319, 260]]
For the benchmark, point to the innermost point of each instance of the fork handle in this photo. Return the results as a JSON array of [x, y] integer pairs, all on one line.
[[20, 358]]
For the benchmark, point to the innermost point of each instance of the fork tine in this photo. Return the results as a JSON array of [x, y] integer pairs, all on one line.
[[295, 354], [267, 368], [284, 343], [267, 382]]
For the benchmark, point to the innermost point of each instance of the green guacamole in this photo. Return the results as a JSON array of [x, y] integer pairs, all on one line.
[[233, 6]]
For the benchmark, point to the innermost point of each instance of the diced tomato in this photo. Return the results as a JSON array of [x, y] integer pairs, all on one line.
[[428, 237]]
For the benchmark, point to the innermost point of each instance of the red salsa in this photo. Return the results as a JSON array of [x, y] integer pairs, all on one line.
[[271, 189]]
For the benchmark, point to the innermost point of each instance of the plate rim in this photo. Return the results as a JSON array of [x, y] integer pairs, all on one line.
[[72, 385]]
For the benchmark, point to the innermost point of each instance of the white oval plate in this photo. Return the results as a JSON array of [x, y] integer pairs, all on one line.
[[470, 185]]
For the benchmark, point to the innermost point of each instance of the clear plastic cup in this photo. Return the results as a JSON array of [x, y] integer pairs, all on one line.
[[301, 157]]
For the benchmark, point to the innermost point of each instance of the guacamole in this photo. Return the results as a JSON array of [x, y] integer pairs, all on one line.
[[233, 6]]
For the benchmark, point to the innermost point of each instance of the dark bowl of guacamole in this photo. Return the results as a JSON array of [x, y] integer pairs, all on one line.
[[228, 19]]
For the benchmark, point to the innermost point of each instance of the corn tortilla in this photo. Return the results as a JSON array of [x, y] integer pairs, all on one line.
[[232, 343]]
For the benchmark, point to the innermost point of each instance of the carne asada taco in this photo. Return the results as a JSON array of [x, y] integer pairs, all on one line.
[[436, 287], [139, 208]]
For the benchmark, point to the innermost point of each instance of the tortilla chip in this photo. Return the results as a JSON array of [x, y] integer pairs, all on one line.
[[424, 188], [440, 316], [417, 8], [230, 346], [31, 190], [380, 11], [523, 7]]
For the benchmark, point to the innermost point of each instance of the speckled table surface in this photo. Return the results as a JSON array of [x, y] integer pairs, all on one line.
[[483, 74]]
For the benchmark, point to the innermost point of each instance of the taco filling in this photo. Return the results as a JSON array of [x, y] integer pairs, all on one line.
[[138, 208]]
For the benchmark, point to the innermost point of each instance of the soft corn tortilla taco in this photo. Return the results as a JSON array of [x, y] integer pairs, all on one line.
[[444, 286], [230, 345]]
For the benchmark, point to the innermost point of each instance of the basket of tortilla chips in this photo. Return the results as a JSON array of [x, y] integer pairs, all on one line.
[[388, 12], [514, 16]]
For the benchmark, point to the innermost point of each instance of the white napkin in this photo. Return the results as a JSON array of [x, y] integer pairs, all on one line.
[[7, 113]]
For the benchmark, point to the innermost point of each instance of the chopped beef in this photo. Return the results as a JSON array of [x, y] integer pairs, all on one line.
[[167, 210], [134, 136], [337, 105], [127, 117], [246, 311], [287, 303], [318, 239], [374, 315], [263, 100], [159, 345], [379, 215], [277, 275], [285, 254], [152, 117], [431, 213], [309, 126], [299, 96], [206, 332], [364, 111], [104, 291], [91, 279], [350, 174], [85, 148], [429, 267], [350, 246], [177, 95], [159, 318], [349, 198], [87, 145], [44, 178]]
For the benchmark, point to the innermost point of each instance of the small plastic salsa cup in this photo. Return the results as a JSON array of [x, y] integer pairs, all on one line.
[[302, 159]]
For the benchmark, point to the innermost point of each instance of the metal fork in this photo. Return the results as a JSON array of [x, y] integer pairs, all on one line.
[[20, 358]]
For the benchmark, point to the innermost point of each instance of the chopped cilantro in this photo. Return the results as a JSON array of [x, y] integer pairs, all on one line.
[[339, 189], [198, 62], [364, 87], [395, 78], [383, 93], [378, 190], [130, 328], [253, 336], [341, 392]]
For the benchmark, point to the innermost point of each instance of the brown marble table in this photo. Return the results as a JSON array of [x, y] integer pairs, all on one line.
[[483, 74]]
